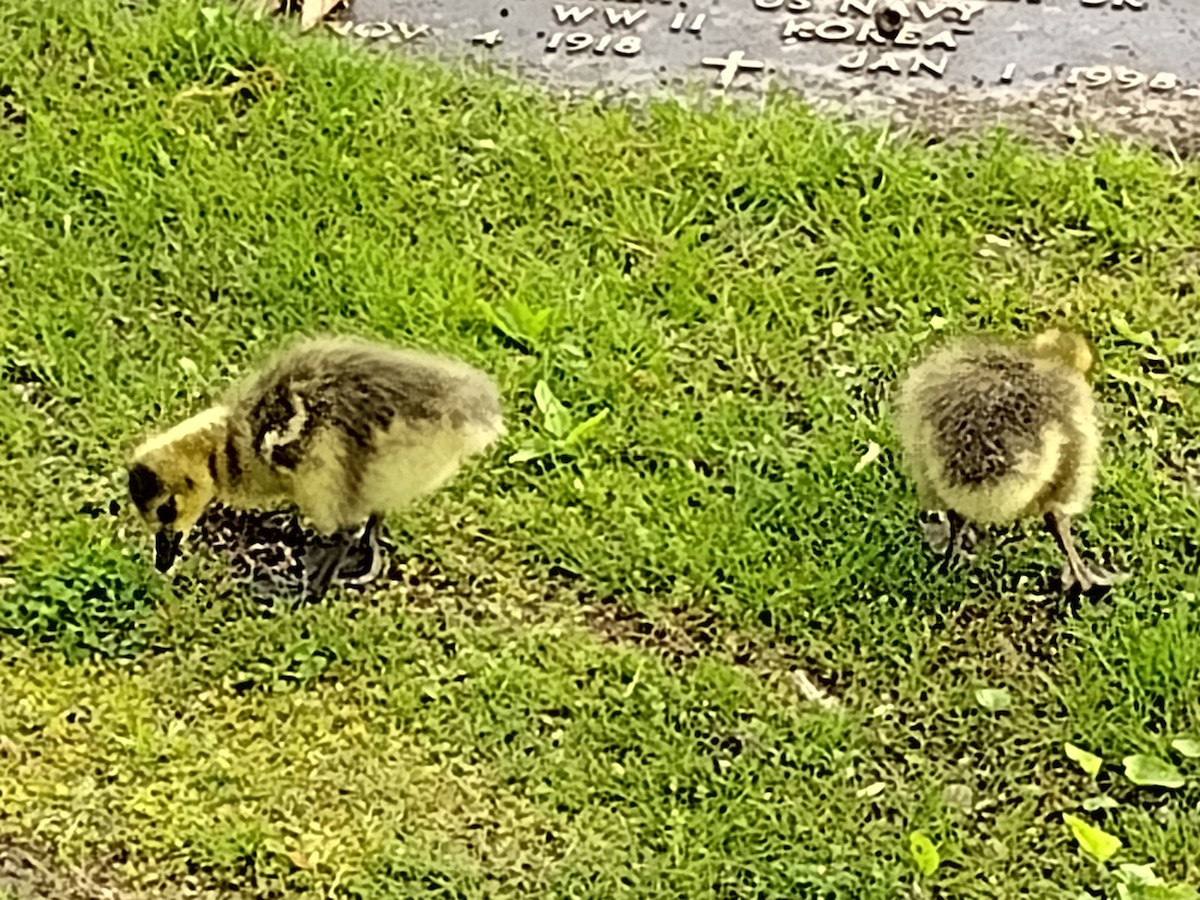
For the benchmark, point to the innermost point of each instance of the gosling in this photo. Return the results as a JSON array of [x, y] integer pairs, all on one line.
[[994, 432], [341, 430]]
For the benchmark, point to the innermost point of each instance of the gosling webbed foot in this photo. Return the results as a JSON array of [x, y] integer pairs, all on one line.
[[1088, 579], [1077, 575]]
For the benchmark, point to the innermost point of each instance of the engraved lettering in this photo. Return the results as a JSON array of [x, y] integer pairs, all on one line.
[[967, 10], [895, 63], [794, 30], [835, 30], [942, 39], [793, 6], [1128, 79], [907, 38], [628, 46], [579, 41], [488, 38], [886, 62], [863, 7], [854, 62], [680, 22], [624, 17], [411, 31], [372, 30], [921, 61], [870, 33], [1164, 81], [571, 13]]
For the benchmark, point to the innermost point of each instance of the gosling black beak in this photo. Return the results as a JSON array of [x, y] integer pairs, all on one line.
[[166, 549]]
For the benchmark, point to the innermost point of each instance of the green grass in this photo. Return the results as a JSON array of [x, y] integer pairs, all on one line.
[[181, 189]]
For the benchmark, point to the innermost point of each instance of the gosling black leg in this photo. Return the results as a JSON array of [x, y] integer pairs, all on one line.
[[1076, 571], [325, 563], [369, 544], [954, 543], [378, 553]]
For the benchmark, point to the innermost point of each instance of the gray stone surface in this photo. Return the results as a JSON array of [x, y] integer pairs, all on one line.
[[1112, 60]]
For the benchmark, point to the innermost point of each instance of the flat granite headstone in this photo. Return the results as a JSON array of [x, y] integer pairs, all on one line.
[[1129, 56]]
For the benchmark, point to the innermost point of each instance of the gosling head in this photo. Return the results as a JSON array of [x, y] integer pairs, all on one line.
[[172, 481], [1068, 348]]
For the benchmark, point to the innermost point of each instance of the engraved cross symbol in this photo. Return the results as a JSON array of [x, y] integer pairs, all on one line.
[[731, 65]]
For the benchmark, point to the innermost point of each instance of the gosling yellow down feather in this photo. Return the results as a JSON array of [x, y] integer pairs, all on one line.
[[342, 430], [994, 432]]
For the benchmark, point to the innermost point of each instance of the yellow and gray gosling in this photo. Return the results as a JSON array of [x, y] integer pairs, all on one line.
[[340, 429], [994, 432]]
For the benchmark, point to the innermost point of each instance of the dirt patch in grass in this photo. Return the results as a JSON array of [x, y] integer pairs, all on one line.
[[686, 634], [29, 872], [266, 550], [997, 641], [268, 554]]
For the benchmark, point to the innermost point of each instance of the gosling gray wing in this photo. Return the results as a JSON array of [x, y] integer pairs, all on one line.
[[359, 393], [353, 428], [985, 424]]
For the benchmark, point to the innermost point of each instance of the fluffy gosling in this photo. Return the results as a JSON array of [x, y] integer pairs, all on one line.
[[994, 432], [340, 429]]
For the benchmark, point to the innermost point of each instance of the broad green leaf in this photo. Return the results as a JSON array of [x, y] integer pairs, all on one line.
[[872, 453], [1187, 747], [1124, 329], [557, 419], [543, 396], [580, 431], [924, 853], [535, 322], [1145, 770], [1133, 873], [1172, 892], [1144, 884], [993, 699], [1095, 842], [1091, 804], [1158, 892], [1089, 762], [526, 453], [527, 322]]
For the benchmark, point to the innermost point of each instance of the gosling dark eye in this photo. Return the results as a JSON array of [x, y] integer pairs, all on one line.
[[167, 512]]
